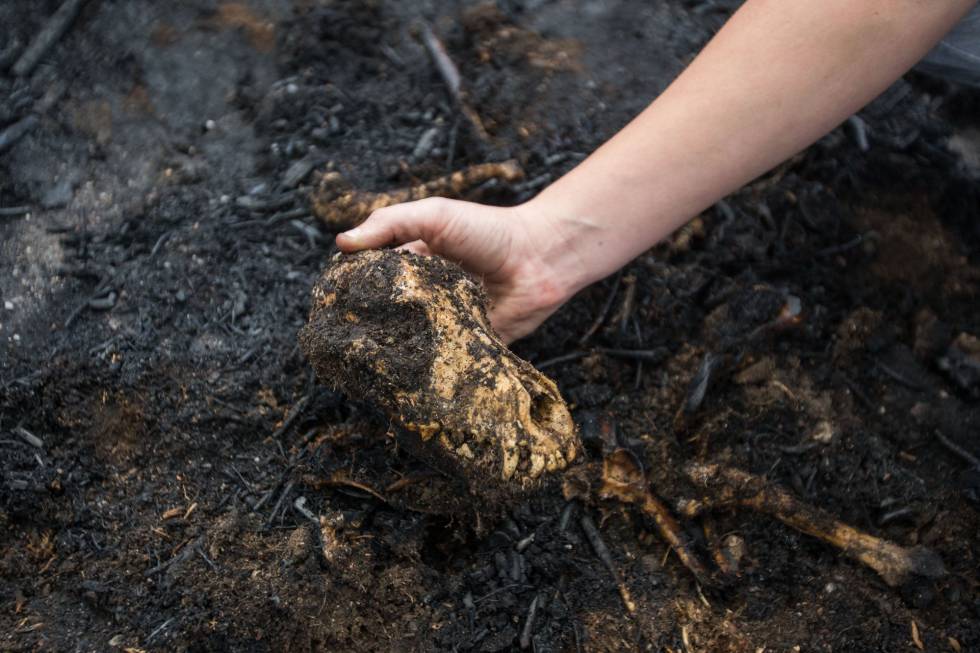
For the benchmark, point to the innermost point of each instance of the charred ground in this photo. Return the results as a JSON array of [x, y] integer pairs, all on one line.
[[153, 295]]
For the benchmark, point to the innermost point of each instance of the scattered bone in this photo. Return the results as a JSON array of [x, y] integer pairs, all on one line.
[[727, 554], [731, 328], [623, 479], [341, 207], [728, 487], [323, 531], [916, 639], [410, 333], [824, 433]]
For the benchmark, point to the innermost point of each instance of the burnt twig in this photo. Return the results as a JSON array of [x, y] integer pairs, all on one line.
[[958, 450], [14, 211], [29, 437], [655, 356], [9, 53], [859, 130], [526, 632], [156, 631], [698, 389], [898, 376], [53, 30], [843, 247], [566, 516], [339, 479], [407, 481], [603, 553], [275, 509], [180, 557], [16, 131], [564, 358], [626, 308], [453, 81], [257, 204], [601, 317], [208, 560], [296, 411]]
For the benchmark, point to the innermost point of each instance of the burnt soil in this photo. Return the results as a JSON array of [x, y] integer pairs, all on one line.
[[153, 294]]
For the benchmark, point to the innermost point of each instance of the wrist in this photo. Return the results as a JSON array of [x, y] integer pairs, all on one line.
[[558, 246]]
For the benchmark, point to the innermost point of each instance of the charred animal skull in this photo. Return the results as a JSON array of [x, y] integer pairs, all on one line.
[[411, 334]]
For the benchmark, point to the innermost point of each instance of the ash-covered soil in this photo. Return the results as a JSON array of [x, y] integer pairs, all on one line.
[[173, 478]]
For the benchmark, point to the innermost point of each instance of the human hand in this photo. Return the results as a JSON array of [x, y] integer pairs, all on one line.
[[505, 247]]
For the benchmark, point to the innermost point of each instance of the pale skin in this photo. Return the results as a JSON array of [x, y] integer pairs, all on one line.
[[777, 77]]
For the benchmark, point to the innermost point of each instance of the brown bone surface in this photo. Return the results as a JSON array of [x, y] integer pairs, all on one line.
[[341, 207], [411, 334], [624, 479], [728, 487]]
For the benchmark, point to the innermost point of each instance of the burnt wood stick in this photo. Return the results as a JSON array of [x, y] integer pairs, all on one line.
[[16, 131], [453, 81], [602, 551], [53, 30]]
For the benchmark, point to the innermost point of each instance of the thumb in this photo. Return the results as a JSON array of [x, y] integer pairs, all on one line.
[[397, 225]]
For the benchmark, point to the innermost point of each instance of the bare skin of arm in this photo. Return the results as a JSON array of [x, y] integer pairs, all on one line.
[[777, 77]]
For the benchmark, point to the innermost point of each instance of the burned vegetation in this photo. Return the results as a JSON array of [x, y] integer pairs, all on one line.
[[759, 435]]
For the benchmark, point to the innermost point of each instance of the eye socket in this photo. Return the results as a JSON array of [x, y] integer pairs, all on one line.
[[542, 409]]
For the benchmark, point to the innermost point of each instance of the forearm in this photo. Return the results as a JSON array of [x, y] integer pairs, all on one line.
[[776, 78]]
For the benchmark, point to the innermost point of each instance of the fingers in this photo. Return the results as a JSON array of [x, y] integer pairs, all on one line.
[[480, 238], [396, 225]]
